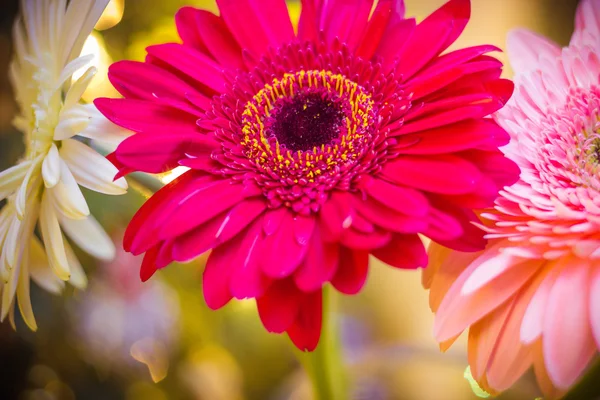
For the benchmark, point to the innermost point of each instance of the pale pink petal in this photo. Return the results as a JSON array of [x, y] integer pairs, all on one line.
[[488, 271], [457, 311], [483, 338], [588, 18], [548, 388], [525, 48], [512, 358], [567, 338], [532, 325], [595, 303], [444, 273]]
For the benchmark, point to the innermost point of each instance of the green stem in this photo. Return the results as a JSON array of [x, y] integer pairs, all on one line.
[[324, 365]]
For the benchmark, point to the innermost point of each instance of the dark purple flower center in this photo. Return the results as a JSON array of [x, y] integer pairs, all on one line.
[[306, 121]]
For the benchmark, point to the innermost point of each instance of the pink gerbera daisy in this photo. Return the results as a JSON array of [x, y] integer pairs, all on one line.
[[533, 296], [309, 151]]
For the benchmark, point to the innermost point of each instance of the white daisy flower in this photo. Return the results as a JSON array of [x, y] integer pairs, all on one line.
[[42, 192]]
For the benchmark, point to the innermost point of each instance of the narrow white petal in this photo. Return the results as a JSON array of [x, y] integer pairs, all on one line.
[[8, 294], [20, 47], [15, 244], [11, 178], [53, 240], [58, 18], [72, 121], [4, 271], [10, 247], [29, 10], [6, 214], [90, 169], [78, 278], [40, 270], [11, 316], [90, 237], [6, 218], [73, 66], [30, 180], [51, 167], [24, 297], [76, 91], [67, 196], [102, 130], [80, 18]]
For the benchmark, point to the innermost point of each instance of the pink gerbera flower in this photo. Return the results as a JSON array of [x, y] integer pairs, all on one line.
[[309, 151], [533, 296]]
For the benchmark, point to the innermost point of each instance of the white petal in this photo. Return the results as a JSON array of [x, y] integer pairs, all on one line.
[[39, 268], [73, 66], [24, 297], [11, 178], [72, 121], [29, 181], [4, 271], [101, 129], [90, 237], [11, 316], [29, 11], [76, 91], [6, 219], [51, 167], [9, 290], [80, 18], [53, 240], [6, 215], [67, 196], [20, 47], [78, 278], [90, 169], [10, 248]]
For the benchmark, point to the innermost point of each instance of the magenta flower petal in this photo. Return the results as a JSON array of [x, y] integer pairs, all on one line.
[[309, 152], [387, 30], [319, 265], [191, 64], [403, 199], [216, 277], [282, 252], [403, 251], [306, 329], [279, 306], [459, 177], [352, 270]]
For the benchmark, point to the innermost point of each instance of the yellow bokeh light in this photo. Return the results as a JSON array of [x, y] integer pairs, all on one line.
[[294, 9], [170, 176], [100, 85], [112, 15]]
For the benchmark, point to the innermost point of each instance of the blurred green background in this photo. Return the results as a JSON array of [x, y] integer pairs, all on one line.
[[113, 340]]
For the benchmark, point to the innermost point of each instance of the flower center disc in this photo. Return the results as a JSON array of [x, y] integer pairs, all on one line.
[[306, 120], [305, 124]]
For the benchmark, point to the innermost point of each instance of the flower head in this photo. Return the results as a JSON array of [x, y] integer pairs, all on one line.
[[533, 296], [42, 190], [309, 151]]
